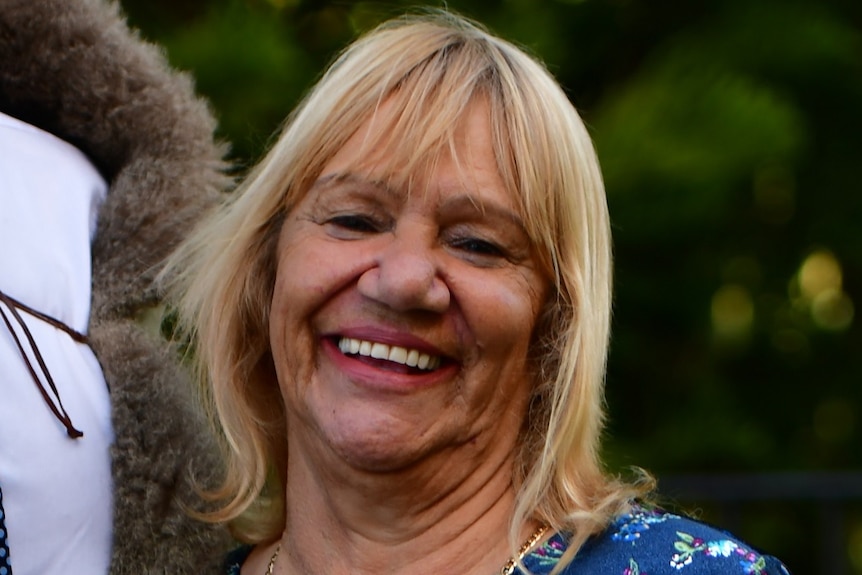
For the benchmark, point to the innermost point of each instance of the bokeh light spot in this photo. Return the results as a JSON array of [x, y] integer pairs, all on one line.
[[832, 310], [819, 272], [732, 312]]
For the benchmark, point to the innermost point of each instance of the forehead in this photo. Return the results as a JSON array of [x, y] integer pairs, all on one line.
[[392, 153]]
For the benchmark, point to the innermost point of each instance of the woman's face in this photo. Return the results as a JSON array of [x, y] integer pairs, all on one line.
[[400, 323]]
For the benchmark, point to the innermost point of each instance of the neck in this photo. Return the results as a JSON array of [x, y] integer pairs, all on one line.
[[440, 512]]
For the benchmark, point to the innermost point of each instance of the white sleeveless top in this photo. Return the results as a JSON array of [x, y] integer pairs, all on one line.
[[57, 491]]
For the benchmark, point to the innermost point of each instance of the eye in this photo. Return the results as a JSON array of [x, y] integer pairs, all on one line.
[[357, 223], [479, 247]]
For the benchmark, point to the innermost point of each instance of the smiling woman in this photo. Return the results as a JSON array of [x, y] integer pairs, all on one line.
[[401, 320], [438, 270]]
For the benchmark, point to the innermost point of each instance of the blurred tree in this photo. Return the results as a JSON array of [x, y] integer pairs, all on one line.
[[719, 188]]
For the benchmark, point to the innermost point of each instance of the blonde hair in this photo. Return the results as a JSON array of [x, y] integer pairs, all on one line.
[[431, 67]]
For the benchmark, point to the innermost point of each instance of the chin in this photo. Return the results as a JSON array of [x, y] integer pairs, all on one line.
[[380, 446], [374, 457]]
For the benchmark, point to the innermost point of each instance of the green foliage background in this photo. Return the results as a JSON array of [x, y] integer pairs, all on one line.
[[729, 132]]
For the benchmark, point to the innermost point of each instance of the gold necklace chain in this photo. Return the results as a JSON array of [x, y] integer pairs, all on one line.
[[271, 566], [507, 569]]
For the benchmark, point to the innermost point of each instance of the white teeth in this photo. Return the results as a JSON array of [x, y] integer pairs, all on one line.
[[398, 355], [377, 350], [412, 358], [380, 351]]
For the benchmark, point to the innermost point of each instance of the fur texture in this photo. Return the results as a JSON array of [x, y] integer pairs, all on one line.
[[73, 67]]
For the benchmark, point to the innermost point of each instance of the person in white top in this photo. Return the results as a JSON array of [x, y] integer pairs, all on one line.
[[107, 158], [50, 194]]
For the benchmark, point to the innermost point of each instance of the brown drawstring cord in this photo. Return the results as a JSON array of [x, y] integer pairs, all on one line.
[[58, 409]]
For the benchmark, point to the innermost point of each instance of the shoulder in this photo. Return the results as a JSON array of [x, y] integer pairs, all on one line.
[[654, 542]]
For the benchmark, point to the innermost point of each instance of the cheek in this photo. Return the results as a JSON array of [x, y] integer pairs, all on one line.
[[502, 316], [309, 271], [512, 309], [296, 294]]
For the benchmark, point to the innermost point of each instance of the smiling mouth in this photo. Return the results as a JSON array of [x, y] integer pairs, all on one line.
[[396, 354]]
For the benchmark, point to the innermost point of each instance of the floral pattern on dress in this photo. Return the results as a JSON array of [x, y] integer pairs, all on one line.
[[629, 527], [633, 568], [688, 547], [548, 554], [650, 541]]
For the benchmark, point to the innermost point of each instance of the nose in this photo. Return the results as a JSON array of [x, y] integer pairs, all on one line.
[[405, 276]]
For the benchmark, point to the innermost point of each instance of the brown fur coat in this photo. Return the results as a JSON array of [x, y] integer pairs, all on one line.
[[73, 68]]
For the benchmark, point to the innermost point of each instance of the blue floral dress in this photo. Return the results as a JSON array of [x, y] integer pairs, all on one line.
[[642, 542]]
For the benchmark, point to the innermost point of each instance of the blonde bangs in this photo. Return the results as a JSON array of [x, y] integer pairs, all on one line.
[[426, 79]]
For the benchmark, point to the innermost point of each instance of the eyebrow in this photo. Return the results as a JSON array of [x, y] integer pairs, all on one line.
[[458, 202], [337, 178], [466, 202]]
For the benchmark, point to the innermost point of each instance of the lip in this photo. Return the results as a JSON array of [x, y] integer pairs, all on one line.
[[372, 377]]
